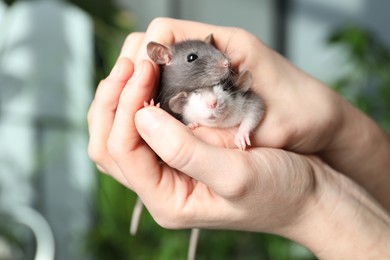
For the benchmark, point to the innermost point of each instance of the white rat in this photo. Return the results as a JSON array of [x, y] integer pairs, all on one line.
[[224, 105]]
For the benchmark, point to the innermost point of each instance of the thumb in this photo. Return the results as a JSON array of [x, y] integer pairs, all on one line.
[[175, 144]]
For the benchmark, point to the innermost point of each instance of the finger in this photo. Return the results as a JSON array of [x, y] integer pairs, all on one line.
[[221, 137], [180, 149], [126, 147], [132, 45], [102, 112], [168, 31], [136, 92]]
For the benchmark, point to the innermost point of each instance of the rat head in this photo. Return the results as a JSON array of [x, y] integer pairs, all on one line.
[[190, 64], [208, 106]]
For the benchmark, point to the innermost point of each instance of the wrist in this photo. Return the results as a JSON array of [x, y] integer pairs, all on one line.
[[361, 150], [341, 221]]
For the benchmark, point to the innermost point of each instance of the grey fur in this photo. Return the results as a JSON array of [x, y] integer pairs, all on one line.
[[178, 75]]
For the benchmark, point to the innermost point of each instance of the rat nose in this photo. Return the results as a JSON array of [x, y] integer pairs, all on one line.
[[226, 63], [211, 102]]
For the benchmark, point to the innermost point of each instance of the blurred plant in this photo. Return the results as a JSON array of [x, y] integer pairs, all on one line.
[[367, 83]]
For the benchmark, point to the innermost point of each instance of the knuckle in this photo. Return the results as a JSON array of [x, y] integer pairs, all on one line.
[[239, 31], [168, 223], [91, 153], [180, 155], [134, 37], [119, 148], [250, 38], [279, 137], [173, 220], [247, 35], [179, 215], [237, 188], [159, 23], [160, 29], [282, 136], [238, 184], [95, 154], [90, 114]]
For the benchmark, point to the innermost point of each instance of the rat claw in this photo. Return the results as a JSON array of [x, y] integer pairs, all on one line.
[[248, 141], [243, 145], [151, 103]]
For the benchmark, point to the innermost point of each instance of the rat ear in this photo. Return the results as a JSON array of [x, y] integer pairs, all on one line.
[[244, 80], [159, 53], [210, 39], [176, 104]]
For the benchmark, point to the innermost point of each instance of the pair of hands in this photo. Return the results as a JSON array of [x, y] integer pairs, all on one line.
[[202, 182]]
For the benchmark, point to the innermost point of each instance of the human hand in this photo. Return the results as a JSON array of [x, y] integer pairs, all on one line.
[[302, 114], [117, 135], [201, 185], [289, 121]]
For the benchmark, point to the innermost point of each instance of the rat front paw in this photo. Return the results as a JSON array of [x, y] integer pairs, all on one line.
[[242, 140], [192, 126], [146, 104]]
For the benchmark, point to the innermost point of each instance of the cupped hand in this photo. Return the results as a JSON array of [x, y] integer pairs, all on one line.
[[200, 183], [196, 184], [301, 114]]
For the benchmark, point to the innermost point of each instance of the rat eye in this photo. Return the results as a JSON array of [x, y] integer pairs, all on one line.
[[192, 57], [225, 87]]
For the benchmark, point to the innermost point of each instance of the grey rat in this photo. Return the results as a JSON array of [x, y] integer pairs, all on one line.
[[192, 73], [191, 66], [187, 66]]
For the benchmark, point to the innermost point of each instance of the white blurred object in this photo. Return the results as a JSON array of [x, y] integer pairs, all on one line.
[[40, 228], [5, 249], [46, 59], [3, 7]]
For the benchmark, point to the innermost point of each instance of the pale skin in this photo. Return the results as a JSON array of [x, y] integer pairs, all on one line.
[[276, 186]]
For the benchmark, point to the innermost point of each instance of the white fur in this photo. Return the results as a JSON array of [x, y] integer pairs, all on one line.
[[227, 113]]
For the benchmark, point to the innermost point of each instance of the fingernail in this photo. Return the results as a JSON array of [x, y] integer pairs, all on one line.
[[148, 121]]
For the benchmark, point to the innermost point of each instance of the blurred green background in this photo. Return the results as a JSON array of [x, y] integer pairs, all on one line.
[[365, 83]]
